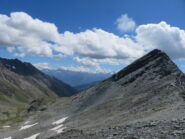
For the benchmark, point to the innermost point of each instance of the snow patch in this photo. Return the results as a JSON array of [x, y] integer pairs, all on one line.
[[33, 136], [60, 128], [27, 126], [57, 127], [6, 126], [8, 138], [60, 121]]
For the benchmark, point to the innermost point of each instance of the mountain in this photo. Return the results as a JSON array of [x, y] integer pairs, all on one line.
[[78, 80], [149, 93], [21, 83], [149, 85], [83, 87], [144, 100]]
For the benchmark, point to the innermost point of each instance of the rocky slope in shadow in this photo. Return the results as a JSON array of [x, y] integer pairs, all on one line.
[[21, 83]]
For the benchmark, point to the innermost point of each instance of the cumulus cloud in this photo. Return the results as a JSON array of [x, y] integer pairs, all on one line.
[[162, 36], [86, 61], [99, 44], [10, 49], [95, 70], [27, 35], [95, 62], [23, 35], [42, 66], [125, 23]]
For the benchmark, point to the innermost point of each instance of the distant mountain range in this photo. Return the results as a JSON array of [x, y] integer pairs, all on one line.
[[78, 80]]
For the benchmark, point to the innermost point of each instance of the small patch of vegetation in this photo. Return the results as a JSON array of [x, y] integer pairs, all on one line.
[[19, 116]]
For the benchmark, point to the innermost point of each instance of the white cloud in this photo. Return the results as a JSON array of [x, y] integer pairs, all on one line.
[[125, 23], [95, 62], [42, 66], [99, 44], [10, 49], [86, 61], [96, 47], [76, 69], [19, 54], [95, 70], [23, 35], [27, 35], [162, 36]]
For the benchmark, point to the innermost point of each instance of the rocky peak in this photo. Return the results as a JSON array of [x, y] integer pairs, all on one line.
[[19, 67], [156, 61]]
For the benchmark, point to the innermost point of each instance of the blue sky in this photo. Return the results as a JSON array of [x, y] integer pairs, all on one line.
[[96, 19]]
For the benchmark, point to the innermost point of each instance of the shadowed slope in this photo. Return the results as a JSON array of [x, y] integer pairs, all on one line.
[[20, 83]]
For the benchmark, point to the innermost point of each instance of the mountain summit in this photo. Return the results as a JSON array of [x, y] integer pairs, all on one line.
[[156, 62]]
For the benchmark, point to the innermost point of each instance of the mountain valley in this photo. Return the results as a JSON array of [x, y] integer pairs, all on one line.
[[77, 79], [22, 85]]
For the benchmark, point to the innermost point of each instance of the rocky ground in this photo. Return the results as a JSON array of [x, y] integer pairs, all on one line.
[[174, 129]]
